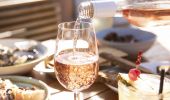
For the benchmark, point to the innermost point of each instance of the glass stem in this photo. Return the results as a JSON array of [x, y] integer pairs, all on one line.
[[76, 96]]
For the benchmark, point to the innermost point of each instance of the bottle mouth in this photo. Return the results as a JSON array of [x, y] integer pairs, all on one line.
[[85, 10]]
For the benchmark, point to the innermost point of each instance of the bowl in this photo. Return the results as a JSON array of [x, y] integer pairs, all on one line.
[[145, 39], [24, 67]]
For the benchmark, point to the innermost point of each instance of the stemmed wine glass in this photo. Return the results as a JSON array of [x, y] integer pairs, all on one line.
[[76, 56]]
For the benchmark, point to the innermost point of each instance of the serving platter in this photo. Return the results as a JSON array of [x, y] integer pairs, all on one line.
[[23, 67]]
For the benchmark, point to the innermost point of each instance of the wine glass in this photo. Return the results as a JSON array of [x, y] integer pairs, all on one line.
[[147, 13], [76, 56]]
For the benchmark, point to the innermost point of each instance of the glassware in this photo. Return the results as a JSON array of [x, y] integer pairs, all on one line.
[[76, 56], [145, 88], [148, 13]]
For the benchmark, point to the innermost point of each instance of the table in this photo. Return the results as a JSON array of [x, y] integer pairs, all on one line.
[[97, 91]]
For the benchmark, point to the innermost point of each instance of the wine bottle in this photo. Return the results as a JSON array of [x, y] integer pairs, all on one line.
[[97, 9]]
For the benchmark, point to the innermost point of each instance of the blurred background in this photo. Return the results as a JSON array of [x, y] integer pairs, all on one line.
[[33, 19], [37, 19]]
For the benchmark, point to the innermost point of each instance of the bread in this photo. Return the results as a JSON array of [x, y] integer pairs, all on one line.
[[28, 94]]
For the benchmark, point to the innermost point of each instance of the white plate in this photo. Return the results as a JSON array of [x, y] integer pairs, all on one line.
[[29, 82], [25, 67], [40, 67]]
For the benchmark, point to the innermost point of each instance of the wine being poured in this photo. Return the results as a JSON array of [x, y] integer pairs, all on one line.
[[78, 26], [76, 34]]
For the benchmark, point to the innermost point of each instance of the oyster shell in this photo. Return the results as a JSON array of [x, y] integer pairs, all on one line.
[[25, 45], [24, 51], [6, 58], [27, 54]]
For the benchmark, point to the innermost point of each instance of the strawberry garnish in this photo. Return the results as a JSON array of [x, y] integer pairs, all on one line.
[[135, 72]]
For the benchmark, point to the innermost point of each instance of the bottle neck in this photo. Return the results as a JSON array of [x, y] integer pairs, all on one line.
[[86, 10], [97, 9]]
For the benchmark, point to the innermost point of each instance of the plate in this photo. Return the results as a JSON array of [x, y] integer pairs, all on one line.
[[28, 82], [112, 71], [108, 75], [25, 67], [40, 67]]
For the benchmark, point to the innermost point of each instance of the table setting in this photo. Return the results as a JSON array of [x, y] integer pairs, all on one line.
[[41, 72], [117, 48], [82, 63]]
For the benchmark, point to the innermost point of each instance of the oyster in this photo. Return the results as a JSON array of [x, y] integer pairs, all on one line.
[[24, 56], [21, 54], [6, 58], [25, 45]]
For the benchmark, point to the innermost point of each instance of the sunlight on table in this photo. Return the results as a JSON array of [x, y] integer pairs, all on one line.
[[163, 34]]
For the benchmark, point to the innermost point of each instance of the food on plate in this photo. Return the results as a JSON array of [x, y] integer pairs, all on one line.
[[49, 62], [12, 56], [114, 37], [10, 91]]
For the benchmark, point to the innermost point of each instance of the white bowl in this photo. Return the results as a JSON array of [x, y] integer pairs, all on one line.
[[145, 39], [25, 67]]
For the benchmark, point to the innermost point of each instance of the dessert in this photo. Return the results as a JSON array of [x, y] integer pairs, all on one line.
[[10, 91]]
